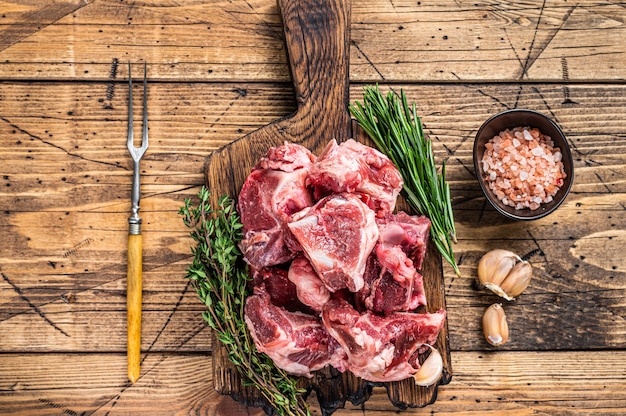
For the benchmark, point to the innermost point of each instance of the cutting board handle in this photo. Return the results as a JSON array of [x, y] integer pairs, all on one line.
[[317, 37], [317, 40]]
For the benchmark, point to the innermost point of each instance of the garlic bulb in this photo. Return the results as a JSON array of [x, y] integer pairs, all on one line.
[[431, 370], [495, 327], [504, 273]]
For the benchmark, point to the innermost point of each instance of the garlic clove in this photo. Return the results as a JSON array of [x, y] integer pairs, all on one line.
[[431, 370], [504, 273], [495, 327], [495, 265], [498, 291], [517, 280]]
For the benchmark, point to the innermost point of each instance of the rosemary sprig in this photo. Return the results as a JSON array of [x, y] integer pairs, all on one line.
[[220, 279], [397, 131]]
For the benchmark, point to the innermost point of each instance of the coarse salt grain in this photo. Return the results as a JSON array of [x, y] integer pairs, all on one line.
[[527, 135], [523, 173]]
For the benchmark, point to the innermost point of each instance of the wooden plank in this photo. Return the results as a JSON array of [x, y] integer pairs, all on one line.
[[400, 41], [64, 202], [189, 121], [521, 383]]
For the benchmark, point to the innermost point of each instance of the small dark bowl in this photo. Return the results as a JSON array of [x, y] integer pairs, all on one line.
[[523, 118]]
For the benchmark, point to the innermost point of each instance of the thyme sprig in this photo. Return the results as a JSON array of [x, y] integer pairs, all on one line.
[[396, 130], [220, 279]]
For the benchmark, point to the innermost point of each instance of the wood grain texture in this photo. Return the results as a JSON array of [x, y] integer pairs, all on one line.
[[134, 305], [399, 41], [485, 383], [218, 71], [65, 201]]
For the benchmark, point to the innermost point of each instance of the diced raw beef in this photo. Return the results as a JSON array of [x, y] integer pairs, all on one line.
[[392, 282], [296, 342], [273, 192], [282, 291], [399, 277], [411, 232], [335, 275], [381, 348], [310, 289], [372, 272], [391, 285], [337, 235], [287, 158], [356, 168]]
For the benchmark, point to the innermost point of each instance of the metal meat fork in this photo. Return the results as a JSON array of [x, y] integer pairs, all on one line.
[[134, 276]]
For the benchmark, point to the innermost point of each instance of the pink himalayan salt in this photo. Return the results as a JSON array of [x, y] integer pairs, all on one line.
[[523, 168]]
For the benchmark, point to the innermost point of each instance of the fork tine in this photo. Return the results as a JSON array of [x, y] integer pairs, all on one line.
[[144, 138], [137, 151], [130, 140]]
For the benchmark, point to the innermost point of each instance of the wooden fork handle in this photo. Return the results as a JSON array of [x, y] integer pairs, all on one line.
[[133, 305]]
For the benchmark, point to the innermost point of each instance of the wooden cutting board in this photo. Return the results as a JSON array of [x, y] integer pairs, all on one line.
[[318, 44]]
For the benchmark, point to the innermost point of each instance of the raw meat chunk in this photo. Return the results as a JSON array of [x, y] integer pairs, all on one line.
[[271, 194], [356, 168], [296, 342], [381, 349], [411, 232], [282, 291], [392, 282], [398, 277], [310, 289], [391, 285], [337, 235]]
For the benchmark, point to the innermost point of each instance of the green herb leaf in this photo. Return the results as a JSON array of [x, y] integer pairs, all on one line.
[[397, 131], [220, 278]]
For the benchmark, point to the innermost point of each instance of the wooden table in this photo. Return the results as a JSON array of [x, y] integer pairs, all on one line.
[[217, 70]]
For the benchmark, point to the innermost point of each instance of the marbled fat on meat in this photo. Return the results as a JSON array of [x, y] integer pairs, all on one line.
[[411, 232], [391, 288], [337, 235], [310, 289], [391, 281], [273, 192], [356, 168], [297, 342], [381, 348]]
